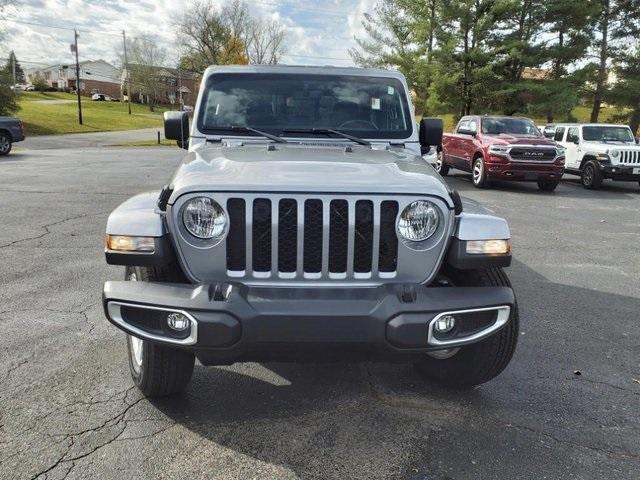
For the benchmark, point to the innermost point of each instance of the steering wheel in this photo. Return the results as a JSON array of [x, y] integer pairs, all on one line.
[[366, 123]]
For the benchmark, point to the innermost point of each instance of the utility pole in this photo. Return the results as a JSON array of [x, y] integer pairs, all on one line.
[[13, 68], [180, 103], [126, 66], [74, 47]]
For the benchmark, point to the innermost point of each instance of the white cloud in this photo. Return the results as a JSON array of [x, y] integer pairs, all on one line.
[[318, 33]]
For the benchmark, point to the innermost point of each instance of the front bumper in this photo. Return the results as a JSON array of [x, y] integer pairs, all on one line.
[[620, 173], [232, 323], [501, 169]]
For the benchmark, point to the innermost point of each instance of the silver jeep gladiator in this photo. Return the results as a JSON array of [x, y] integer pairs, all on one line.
[[303, 225]]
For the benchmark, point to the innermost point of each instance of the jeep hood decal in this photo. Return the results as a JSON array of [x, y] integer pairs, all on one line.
[[305, 168]]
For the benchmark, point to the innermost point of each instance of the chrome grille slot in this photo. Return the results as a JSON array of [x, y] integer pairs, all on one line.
[[630, 157], [311, 238], [532, 154]]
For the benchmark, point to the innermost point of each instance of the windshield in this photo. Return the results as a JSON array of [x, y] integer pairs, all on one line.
[[509, 125], [367, 107], [607, 134]]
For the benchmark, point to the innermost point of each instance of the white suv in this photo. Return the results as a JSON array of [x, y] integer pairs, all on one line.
[[596, 151]]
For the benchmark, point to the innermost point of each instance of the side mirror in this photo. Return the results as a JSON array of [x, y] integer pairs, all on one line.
[[176, 127], [575, 140], [638, 140], [466, 131], [430, 133]]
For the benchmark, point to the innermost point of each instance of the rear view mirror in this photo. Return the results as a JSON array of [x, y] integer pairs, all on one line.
[[430, 133], [176, 127]]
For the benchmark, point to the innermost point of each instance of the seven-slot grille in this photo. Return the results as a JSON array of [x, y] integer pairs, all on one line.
[[630, 157], [312, 238], [530, 154]]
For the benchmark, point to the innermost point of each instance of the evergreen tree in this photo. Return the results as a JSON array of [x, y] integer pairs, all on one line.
[[12, 62], [8, 103], [613, 24], [625, 93]]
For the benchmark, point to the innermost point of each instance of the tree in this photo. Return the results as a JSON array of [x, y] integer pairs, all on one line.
[[613, 24], [39, 83], [145, 61], [265, 42], [229, 36], [207, 39], [12, 63], [395, 38], [625, 93], [8, 103]]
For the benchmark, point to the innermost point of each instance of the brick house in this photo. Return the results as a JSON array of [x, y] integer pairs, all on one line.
[[173, 86], [95, 76]]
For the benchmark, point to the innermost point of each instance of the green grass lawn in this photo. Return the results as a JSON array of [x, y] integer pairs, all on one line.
[[51, 113]]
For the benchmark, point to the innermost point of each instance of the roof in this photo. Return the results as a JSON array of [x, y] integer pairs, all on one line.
[[590, 125], [175, 72], [300, 69]]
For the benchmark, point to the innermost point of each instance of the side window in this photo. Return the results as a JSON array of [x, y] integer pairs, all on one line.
[[473, 126], [463, 125], [572, 136], [559, 135]]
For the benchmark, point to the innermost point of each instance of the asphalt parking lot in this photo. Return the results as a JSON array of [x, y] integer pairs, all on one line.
[[566, 407]]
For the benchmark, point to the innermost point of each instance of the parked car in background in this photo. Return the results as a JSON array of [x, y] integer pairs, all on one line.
[[548, 130], [502, 148], [102, 97], [598, 151], [11, 131]]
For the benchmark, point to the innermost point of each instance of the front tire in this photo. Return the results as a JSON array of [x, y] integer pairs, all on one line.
[[479, 174], [591, 176], [548, 185], [157, 370], [5, 144], [441, 167], [479, 362]]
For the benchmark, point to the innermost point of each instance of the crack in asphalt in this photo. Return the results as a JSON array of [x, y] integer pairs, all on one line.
[[117, 420], [49, 225]]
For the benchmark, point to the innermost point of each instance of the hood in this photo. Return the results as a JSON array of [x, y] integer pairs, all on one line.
[[511, 139], [305, 168], [603, 147]]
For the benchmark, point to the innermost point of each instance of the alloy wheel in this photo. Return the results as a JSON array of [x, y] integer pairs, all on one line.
[[477, 171], [587, 175], [439, 162], [5, 144]]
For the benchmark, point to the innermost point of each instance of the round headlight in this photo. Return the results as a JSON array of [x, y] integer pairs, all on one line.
[[418, 221], [204, 218], [614, 153]]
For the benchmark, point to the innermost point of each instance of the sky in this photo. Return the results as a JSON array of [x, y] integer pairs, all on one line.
[[318, 33]]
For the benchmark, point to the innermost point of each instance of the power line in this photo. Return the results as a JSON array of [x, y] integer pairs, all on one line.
[[45, 25]]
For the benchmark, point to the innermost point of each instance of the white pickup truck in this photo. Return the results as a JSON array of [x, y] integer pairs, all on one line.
[[596, 151]]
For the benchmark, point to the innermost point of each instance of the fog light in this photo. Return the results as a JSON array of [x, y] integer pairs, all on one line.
[[178, 322], [445, 324]]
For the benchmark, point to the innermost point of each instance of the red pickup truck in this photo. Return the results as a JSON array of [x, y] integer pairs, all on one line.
[[505, 148]]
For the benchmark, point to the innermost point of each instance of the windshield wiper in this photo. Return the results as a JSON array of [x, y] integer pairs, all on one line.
[[327, 131], [235, 128]]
